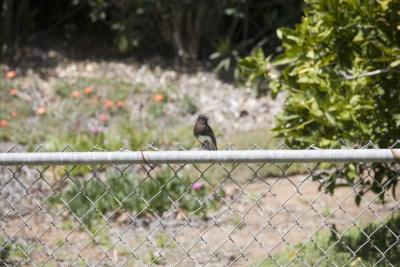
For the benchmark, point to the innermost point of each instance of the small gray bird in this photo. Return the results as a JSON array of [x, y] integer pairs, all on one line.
[[203, 132]]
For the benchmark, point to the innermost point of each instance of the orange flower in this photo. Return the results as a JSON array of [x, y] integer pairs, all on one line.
[[158, 98], [14, 114], [3, 123], [13, 91], [40, 110], [103, 117], [120, 104], [76, 94], [11, 74], [108, 104], [88, 90]]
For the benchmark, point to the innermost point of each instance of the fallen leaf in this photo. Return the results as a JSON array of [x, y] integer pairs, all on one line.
[[180, 215], [124, 218]]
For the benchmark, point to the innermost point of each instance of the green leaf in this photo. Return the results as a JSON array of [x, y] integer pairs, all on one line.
[[282, 60], [279, 33], [355, 99], [395, 63], [385, 4], [359, 37], [396, 118], [248, 63], [330, 118], [123, 44]]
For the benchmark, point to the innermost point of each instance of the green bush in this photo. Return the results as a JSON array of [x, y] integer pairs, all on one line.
[[10, 252], [4, 252], [342, 75], [328, 249], [253, 71], [90, 200], [375, 237]]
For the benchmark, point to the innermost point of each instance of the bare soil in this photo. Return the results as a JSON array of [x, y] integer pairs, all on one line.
[[257, 219]]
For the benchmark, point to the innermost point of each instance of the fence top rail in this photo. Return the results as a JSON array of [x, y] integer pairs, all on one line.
[[222, 156]]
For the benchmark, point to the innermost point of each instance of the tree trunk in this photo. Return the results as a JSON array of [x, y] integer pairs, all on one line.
[[195, 32], [8, 33], [22, 14]]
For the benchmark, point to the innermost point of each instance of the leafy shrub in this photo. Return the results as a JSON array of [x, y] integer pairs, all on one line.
[[4, 252], [342, 80], [374, 238], [90, 200], [10, 252], [333, 91], [328, 249], [253, 71]]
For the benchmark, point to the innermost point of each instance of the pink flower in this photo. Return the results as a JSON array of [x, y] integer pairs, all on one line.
[[103, 117], [197, 186], [95, 130], [94, 126]]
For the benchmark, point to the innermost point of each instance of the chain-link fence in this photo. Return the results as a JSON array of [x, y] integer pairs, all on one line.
[[193, 208]]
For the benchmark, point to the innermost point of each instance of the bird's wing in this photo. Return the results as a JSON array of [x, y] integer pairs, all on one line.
[[194, 130], [206, 142], [214, 140]]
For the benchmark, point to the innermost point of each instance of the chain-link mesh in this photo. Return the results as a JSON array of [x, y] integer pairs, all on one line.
[[253, 214]]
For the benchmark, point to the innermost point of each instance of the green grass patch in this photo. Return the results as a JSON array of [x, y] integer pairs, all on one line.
[[10, 252], [125, 136], [93, 199], [82, 113], [263, 138]]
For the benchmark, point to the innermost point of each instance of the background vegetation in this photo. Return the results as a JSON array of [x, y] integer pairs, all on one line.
[[354, 247], [342, 77], [185, 29], [94, 200]]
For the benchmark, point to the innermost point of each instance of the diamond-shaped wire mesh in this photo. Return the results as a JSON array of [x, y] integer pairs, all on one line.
[[233, 214]]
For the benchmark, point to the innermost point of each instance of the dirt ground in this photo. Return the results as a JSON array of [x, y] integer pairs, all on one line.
[[257, 219]]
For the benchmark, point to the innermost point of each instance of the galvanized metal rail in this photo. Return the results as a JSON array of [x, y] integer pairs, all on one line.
[[223, 156]]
